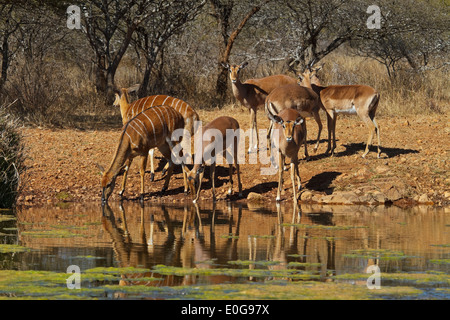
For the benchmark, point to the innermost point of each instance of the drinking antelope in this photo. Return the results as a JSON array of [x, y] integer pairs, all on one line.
[[346, 99], [209, 150], [253, 92], [289, 123], [294, 96], [129, 110], [149, 129]]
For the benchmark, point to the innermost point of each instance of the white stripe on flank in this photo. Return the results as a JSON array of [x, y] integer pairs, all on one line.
[[153, 102], [165, 100], [185, 108], [151, 122], [162, 119], [157, 110], [138, 106], [170, 121], [176, 106], [145, 103], [143, 126], [133, 125], [131, 140]]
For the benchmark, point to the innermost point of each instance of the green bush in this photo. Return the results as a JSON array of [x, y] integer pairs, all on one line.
[[12, 157]]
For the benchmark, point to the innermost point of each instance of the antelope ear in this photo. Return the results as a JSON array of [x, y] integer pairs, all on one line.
[[277, 119], [225, 65], [242, 66], [274, 118], [299, 120], [100, 167]]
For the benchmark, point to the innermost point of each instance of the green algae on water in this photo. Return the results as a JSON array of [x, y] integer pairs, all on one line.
[[6, 217], [51, 234], [320, 227], [252, 262], [4, 248], [382, 254]]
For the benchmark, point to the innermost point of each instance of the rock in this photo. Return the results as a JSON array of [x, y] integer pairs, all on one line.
[[341, 197], [393, 194], [341, 177], [424, 199], [255, 197], [363, 172], [381, 169], [306, 195]]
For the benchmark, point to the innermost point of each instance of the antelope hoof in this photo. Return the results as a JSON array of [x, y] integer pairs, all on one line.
[[240, 194], [152, 177], [163, 190], [163, 171]]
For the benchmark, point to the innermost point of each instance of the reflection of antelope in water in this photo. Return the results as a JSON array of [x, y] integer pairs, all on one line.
[[189, 250], [131, 253]]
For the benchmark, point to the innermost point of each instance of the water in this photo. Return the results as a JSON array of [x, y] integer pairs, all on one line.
[[185, 247]]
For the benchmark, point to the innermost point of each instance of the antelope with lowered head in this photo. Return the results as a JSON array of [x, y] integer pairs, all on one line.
[[129, 110], [302, 99], [209, 149], [151, 128], [346, 99], [291, 136], [253, 92]]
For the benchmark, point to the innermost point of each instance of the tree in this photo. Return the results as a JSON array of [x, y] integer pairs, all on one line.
[[222, 11], [9, 24], [166, 19], [103, 19], [411, 32], [317, 28]]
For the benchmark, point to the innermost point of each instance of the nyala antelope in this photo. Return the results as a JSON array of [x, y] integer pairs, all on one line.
[[151, 128], [129, 110]]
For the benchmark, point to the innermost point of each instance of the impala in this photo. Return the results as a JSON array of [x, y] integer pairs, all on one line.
[[253, 92], [346, 99], [151, 128], [129, 110], [218, 127], [294, 96], [289, 123]]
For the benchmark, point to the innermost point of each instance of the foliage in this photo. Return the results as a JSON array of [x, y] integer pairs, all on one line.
[[12, 157], [65, 77]]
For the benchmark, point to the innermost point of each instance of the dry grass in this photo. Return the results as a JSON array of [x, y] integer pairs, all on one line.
[[53, 95]]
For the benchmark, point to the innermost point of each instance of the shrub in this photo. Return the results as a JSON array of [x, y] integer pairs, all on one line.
[[12, 157]]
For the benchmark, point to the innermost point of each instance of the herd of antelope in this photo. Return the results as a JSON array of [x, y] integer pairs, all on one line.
[[149, 123]]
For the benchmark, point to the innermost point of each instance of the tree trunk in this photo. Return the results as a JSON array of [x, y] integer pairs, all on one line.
[[222, 77]]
